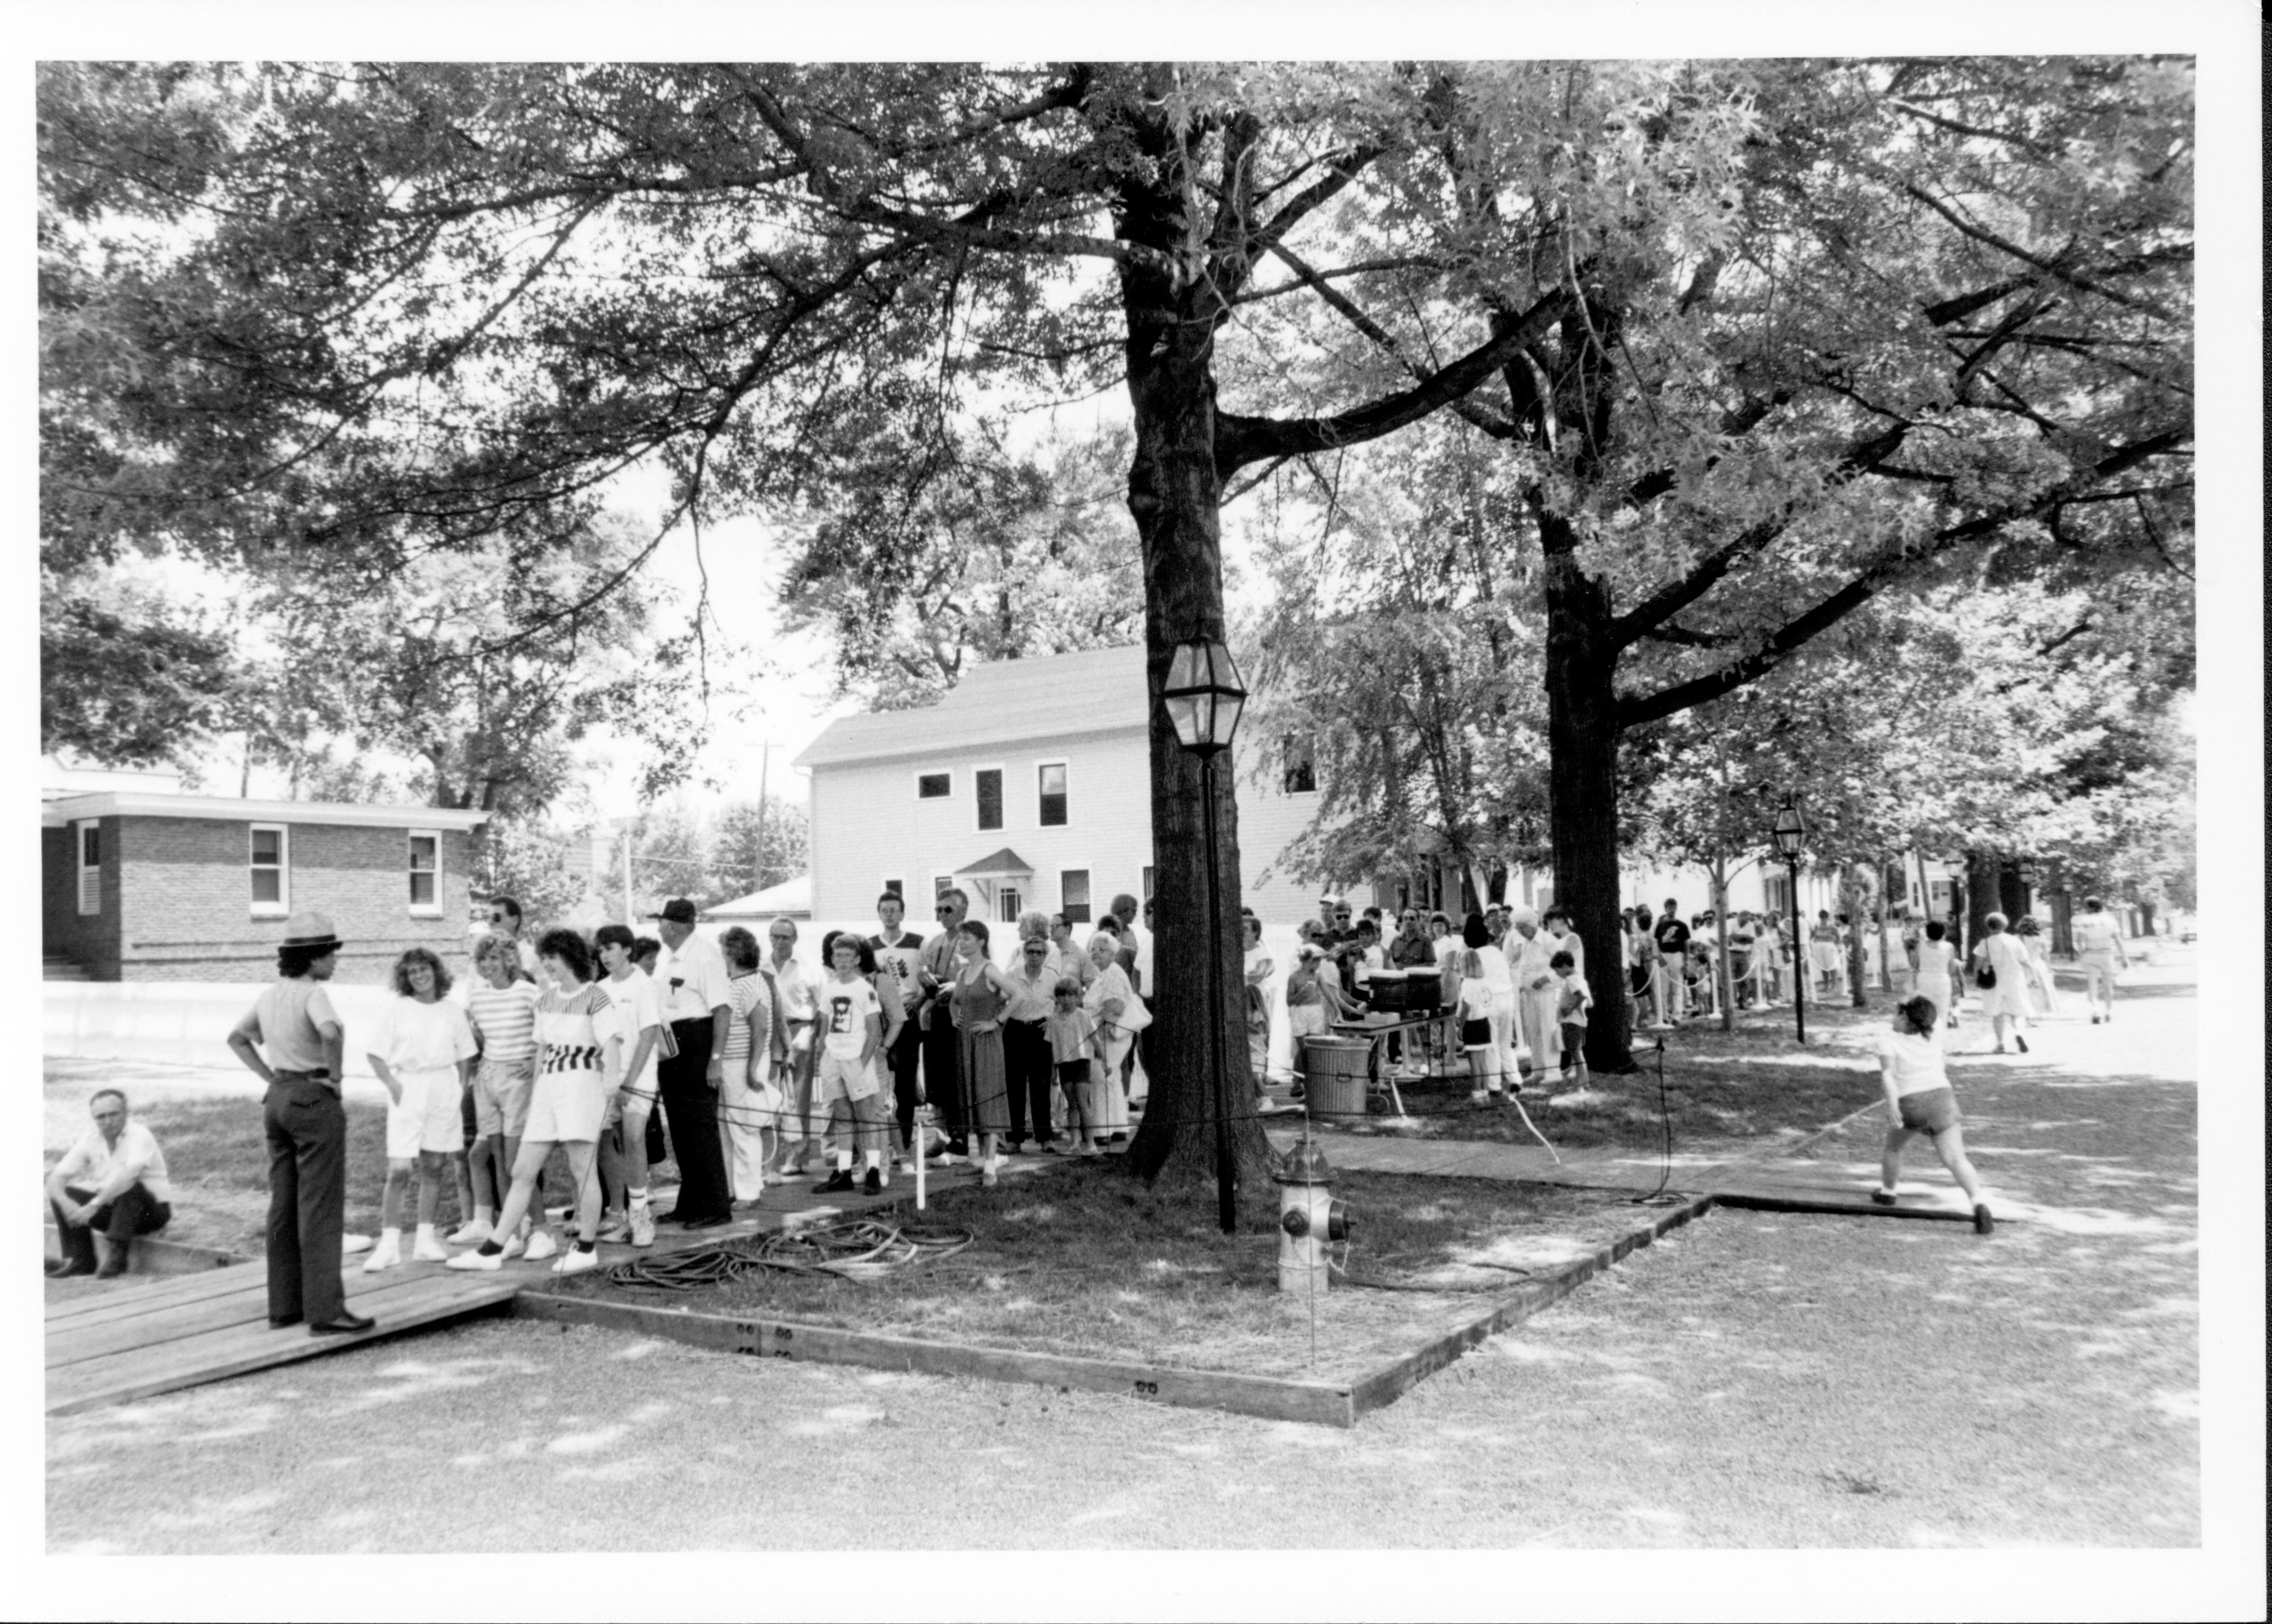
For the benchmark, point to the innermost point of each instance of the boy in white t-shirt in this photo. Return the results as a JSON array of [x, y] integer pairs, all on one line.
[[1571, 999], [852, 1029]]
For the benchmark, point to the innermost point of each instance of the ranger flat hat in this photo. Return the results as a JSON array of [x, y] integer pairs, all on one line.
[[310, 931]]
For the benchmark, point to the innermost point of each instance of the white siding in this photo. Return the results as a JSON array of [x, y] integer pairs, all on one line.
[[867, 824]]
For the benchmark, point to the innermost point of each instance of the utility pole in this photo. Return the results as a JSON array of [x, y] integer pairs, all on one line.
[[764, 761], [628, 913]]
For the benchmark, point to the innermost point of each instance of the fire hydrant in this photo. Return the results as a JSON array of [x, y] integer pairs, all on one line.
[[1308, 1217]]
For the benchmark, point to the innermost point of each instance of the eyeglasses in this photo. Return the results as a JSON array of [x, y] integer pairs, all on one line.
[[947, 908]]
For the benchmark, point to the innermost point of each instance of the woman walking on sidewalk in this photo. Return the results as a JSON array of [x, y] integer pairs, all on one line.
[[2002, 967], [1919, 1100]]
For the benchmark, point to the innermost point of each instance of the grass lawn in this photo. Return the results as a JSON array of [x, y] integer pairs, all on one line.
[[1083, 1259], [217, 1157], [1725, 1092]]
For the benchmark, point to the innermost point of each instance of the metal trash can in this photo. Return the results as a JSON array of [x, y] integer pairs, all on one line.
[[1335, 1071]]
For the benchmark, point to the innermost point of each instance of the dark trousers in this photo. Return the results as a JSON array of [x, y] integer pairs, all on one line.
[[691, 1107], [904, 1057], [1030, 1068], [122, 1217], [941, 1064], [307, 1129]]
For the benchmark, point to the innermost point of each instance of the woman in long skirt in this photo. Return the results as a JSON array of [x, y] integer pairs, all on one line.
[[1108, 1000], [981, 992], [1936, 976], [2008, 1000], [2042, 994]]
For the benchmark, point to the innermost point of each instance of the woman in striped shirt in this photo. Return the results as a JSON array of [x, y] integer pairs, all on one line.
[[503, 1009], [566, 1108]]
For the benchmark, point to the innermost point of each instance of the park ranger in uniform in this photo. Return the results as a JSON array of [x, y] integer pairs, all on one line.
[[307, 1129]]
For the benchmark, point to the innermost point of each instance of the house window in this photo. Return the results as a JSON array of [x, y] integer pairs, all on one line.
[[1053, 794], [934, 786], [1011, 904], [940, 885], [425, 872], [1301, 764], [989, 797], [90, 866], [270, 847], [1073, 887], [1147, 882], [893, 887]]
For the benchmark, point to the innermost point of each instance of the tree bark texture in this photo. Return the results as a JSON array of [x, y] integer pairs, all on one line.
[[1175, 494], [1582, 737]]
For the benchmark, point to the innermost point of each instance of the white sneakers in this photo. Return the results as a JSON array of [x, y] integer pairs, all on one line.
[[576, 1261], [387, 1255], [490, 1262], [541, 1246], [428, 1250], [470, 1234], [642, 1224]]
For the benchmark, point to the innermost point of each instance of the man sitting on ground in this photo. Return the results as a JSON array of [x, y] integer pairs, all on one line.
[[111, 1184]]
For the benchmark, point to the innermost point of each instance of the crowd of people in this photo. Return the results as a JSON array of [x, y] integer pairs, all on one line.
[[760, 1070], [764, 1071]]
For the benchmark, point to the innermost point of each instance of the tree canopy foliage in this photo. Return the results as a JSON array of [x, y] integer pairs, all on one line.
[[1757, 343]]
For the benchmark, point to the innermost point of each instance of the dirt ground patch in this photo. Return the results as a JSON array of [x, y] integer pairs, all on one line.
[[1052, 1270]]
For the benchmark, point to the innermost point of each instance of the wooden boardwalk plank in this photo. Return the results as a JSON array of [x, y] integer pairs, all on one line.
[[130, 1296], [145, 1372], [142, 1339]]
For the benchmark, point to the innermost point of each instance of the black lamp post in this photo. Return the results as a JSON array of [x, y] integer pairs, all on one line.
[[1791, 840], [1204, 697]]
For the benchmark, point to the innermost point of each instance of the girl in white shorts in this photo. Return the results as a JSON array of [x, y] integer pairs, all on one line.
[[566, 1108], [423, 1050]]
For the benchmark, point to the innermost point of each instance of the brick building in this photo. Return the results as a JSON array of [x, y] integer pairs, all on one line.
[[155, 886]]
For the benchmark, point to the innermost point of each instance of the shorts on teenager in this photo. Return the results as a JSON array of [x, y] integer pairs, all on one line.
[[565, 1107], [1574, 1041], [621, 1100], [426, 1119], [500, 1095], [1476, 1033], [842, 1077], [1932, 1111]]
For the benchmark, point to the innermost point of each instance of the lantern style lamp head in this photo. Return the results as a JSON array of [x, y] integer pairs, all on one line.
[[1203, 695], [1789, 830]]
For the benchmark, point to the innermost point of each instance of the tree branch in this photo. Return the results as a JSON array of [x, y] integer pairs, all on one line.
[[1240, 440], [1633, 711], [2049, 267]]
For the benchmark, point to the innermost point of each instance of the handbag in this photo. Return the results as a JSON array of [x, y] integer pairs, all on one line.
[[1984, 977], [1136, 1017]]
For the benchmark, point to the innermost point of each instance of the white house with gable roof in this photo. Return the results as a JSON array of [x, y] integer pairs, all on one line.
[[1028, 786]]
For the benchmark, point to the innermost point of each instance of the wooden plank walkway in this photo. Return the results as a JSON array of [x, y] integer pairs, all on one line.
[[144, 1336], [1840, 1188]]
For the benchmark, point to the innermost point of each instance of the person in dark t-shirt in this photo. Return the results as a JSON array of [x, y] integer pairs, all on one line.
[[1673, 950]]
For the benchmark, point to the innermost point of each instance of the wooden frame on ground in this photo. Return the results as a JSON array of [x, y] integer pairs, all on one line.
[[1329, 1403]]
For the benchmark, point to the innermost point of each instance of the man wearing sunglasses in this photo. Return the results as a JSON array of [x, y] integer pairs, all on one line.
[[504, 920]]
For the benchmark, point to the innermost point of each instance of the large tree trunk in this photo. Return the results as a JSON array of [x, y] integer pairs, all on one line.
[[1199, 954], [1581, 741]]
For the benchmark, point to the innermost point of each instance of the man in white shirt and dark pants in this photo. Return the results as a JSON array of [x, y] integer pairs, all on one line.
[[111, 1184], [696, 1007]]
